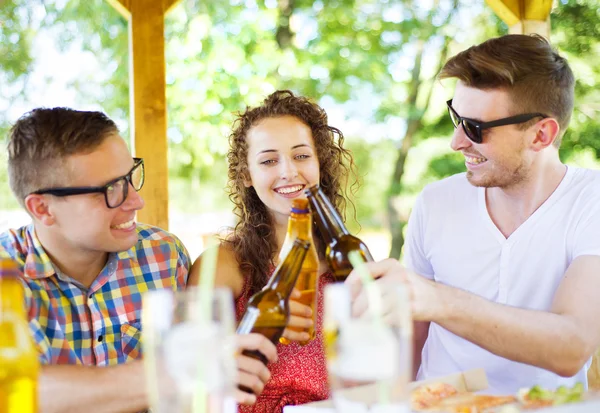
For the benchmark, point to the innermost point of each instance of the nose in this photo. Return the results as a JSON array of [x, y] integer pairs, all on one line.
[[460, 140], [134, 200], [288, 169]]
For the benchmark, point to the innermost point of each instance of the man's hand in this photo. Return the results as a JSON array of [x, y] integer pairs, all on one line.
[[389, 272], [252, 373], [72, 388], [300, 319]]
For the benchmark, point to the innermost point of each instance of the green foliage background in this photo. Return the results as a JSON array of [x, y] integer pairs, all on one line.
[[357, 57]]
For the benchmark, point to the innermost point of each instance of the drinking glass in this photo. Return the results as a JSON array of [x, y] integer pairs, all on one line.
[[369, 357], [189, 350]]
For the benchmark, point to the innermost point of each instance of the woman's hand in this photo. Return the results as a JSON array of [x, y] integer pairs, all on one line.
[[300, 320], [252, 373]]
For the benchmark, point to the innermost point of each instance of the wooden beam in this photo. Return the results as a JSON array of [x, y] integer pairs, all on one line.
[[537, 9], [168, 5], [524, 16], [513, 11], [531, 26], [148, 101], [148, 106], [122, 6], [507, 10]]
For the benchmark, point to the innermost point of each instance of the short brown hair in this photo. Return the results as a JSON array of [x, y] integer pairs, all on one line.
[[537, 78], [41, 139]]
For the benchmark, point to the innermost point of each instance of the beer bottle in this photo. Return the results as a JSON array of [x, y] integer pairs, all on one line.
[[268, 310], [19, 364], [300, 227], [339, 241]]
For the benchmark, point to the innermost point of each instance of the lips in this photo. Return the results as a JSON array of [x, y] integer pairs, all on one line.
[[124, 225], [289, 189], [474, 160]]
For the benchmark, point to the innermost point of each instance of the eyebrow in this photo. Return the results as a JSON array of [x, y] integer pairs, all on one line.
[[293, 147], [468, 118], [465, 117], [119, 177], [476, 120]]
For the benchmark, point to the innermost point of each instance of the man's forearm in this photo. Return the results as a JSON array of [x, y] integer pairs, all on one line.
[[547, 340], [65, 389]]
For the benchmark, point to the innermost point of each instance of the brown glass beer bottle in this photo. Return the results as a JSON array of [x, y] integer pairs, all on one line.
[[339, 241], [300, 227], [268, 310]]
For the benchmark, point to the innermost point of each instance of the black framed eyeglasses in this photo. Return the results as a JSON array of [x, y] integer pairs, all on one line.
[[473, 128], [115, 192]]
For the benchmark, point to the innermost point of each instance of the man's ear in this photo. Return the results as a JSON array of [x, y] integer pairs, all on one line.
[[39, 208], [547, 132]]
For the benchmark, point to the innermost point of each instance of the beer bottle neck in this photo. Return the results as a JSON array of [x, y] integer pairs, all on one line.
[[328, 220], [299, 225], [284, 278]]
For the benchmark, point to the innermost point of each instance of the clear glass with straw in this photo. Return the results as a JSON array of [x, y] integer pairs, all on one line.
[[189, 346], [369, 356]]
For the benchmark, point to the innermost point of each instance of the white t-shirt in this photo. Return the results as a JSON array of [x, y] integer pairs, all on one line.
[[452, 240]]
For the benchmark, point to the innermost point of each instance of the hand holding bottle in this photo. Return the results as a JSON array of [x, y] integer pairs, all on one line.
[[252, 373], [300, 320], [424, 299], [300, 227]]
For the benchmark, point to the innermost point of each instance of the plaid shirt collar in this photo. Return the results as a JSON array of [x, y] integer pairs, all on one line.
[[38, 264]]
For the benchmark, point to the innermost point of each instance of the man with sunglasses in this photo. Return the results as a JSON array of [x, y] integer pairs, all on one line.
[[86, 262], [503, 261]]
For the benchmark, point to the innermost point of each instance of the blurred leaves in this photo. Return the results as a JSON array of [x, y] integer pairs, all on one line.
[[576, 32], [354, 56]]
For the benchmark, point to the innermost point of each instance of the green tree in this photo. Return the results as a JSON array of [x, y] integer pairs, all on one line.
[[376, 59]]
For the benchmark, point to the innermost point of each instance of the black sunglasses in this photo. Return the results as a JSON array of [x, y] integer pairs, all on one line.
[[473, 128], [115, 192]]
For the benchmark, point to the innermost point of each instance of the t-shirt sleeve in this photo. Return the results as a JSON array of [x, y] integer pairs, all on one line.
[[415, 258], [587, 233]]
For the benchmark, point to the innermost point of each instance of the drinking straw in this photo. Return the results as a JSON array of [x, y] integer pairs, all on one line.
[[405, 324], [384, 387], [207, 279], [404, 311], [371, 288], [205, 309], [149, 344]]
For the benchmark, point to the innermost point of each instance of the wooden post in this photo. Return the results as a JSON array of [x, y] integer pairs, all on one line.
[[524, 16], [148, 101], [531, 26]]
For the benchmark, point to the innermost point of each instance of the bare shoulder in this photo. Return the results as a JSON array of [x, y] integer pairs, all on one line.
[[228, 272]]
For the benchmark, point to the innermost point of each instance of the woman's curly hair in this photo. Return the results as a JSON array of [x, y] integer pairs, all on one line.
[[253, 238]]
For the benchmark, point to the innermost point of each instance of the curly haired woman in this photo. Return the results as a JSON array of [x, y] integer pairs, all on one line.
[[277, 150]]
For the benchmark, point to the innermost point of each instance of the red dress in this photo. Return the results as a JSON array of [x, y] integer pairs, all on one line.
[[300, 374]]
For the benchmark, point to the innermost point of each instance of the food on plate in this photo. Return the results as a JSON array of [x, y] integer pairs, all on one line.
[[428, 395], [442, 397], [538, 397]]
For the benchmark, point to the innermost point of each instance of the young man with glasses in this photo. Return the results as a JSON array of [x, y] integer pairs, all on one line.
[[503, 261], [86, 262]]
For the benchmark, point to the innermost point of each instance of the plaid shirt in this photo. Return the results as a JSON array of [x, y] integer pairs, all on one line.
[[100, 325]]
